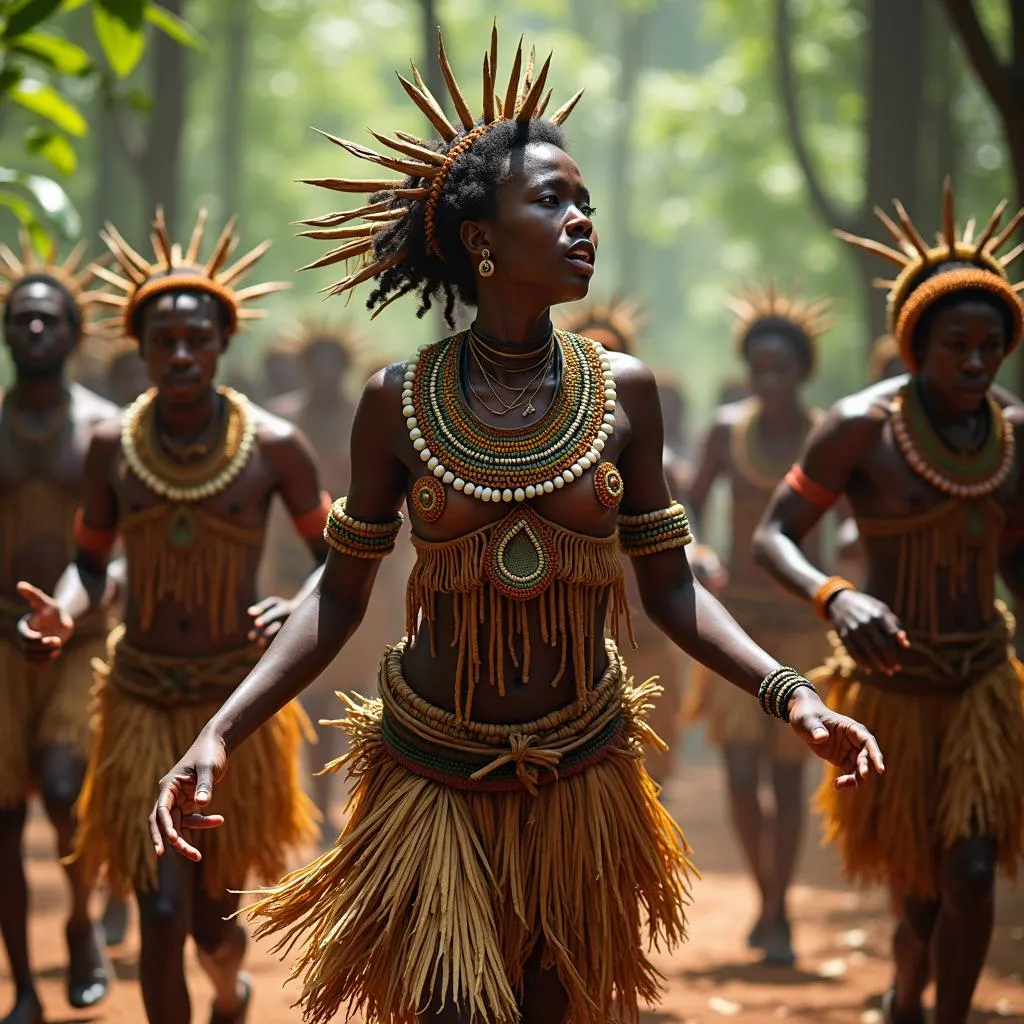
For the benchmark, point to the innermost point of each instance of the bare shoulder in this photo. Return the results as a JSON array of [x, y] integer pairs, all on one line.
[[277, 439], [88, 407], [381, 402], [287, 406], [105, 439], [634, 380], [858, 419], [1011, 403]]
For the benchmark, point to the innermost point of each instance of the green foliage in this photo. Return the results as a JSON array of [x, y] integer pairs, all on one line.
[[45, 75]]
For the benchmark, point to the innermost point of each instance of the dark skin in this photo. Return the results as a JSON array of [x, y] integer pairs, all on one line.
[[182, 341], [40, 334], [852, 452], [323, 411], [542, 220], [770, 844]]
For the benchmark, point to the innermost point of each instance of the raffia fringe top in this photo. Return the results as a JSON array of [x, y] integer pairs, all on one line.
[[496, 574]]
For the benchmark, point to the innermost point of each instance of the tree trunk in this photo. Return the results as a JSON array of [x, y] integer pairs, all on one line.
[[232, 121], [161, 161], [633, 27]]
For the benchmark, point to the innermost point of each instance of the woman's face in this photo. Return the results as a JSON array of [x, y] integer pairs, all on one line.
[[542, 240]]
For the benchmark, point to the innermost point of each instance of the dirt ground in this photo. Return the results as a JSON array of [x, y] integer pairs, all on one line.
[[841, 937]]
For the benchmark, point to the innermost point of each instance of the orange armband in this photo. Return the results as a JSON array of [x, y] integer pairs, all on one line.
[[310, 525], [800, 483], [89, 538]]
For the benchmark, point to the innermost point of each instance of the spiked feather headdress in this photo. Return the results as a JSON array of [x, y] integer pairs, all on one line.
[[70, 275], [175, 270], [615, 323], [424, 163], [309, 332], [758, 303], [912, 291]]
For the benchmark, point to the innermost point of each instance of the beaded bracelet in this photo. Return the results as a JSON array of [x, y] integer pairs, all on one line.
[[651, 532], [832, 586], [357, 538], [776, 688]]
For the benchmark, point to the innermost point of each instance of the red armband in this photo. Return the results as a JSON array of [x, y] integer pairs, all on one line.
[[802, 484], [310, 525], [95, 541]]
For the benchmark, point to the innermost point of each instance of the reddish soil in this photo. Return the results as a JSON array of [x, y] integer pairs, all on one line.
[[841, 936]]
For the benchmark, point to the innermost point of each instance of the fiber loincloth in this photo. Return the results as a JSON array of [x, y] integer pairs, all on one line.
[[148, 710], [40, 705], [470, 845], [788, 632], [951, 728]]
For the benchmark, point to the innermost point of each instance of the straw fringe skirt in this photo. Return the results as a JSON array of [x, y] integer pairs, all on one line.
[[439, 890], [138, 739], [41, 706], [954, 767]]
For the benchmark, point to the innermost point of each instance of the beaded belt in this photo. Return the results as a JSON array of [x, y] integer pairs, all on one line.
[[498, 758]]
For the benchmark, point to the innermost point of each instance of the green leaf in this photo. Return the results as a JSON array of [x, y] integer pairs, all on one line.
[[63, 56], [119, 33], [53, 148], [32, 194], [73, 5], [171, 25], [45, 101], [27, 16], [9, 78]]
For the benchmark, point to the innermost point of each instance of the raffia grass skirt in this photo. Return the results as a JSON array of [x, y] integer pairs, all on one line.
[[954, 768], [439, 889], [42, 706], [147, 712]]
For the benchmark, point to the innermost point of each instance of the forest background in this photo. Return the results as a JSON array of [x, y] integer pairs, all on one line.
[[721, 139]]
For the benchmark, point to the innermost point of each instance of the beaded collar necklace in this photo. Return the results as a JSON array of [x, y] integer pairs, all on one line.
[[193, 481], [974, 475], [515, 464], [749, 459]]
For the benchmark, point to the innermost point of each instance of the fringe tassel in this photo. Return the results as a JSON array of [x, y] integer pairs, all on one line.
[[944, 552], [206, 571], [433, 895], [589, 582], [35, 512], [954, 767], [265, 810]]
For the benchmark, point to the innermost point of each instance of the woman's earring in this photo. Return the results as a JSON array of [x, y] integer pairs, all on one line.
[[486, 267]]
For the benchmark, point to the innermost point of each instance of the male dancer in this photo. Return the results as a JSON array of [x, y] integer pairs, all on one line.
[[185, 475], [929, 464], [751, 444], [45, 425]]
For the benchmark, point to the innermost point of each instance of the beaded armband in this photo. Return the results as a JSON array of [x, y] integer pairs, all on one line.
[[651, 532], [776, 688], [359, 539]]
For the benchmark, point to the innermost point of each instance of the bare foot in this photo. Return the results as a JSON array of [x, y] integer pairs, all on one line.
[[755, 940], [27, 1010], [777, 943], [115, 919], [88, 968]]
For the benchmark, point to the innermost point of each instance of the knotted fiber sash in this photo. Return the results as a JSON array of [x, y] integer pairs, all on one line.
[[951, 725], [145, 719], [436, 893]]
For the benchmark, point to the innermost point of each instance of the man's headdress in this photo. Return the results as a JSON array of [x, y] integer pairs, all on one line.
[[918, 286], [310, 332], [424, 163], [761, 305], [173, 269], [615, 323], [69, 275]]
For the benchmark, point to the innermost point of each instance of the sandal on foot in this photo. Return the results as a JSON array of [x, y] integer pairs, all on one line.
[[88, 967], [236, 1016]]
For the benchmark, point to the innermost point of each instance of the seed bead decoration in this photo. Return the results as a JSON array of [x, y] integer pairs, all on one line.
[[520, 559], [195, 481], [515, 464], [428, 498], [358, 538], [965, 477], [608, 484], [652, 532], [776, 689]]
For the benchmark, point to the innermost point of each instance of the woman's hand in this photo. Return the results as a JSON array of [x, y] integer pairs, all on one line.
[[707, 567], [869, 630], [841, 741], [184, 791], [46, 630], [268, 616]]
